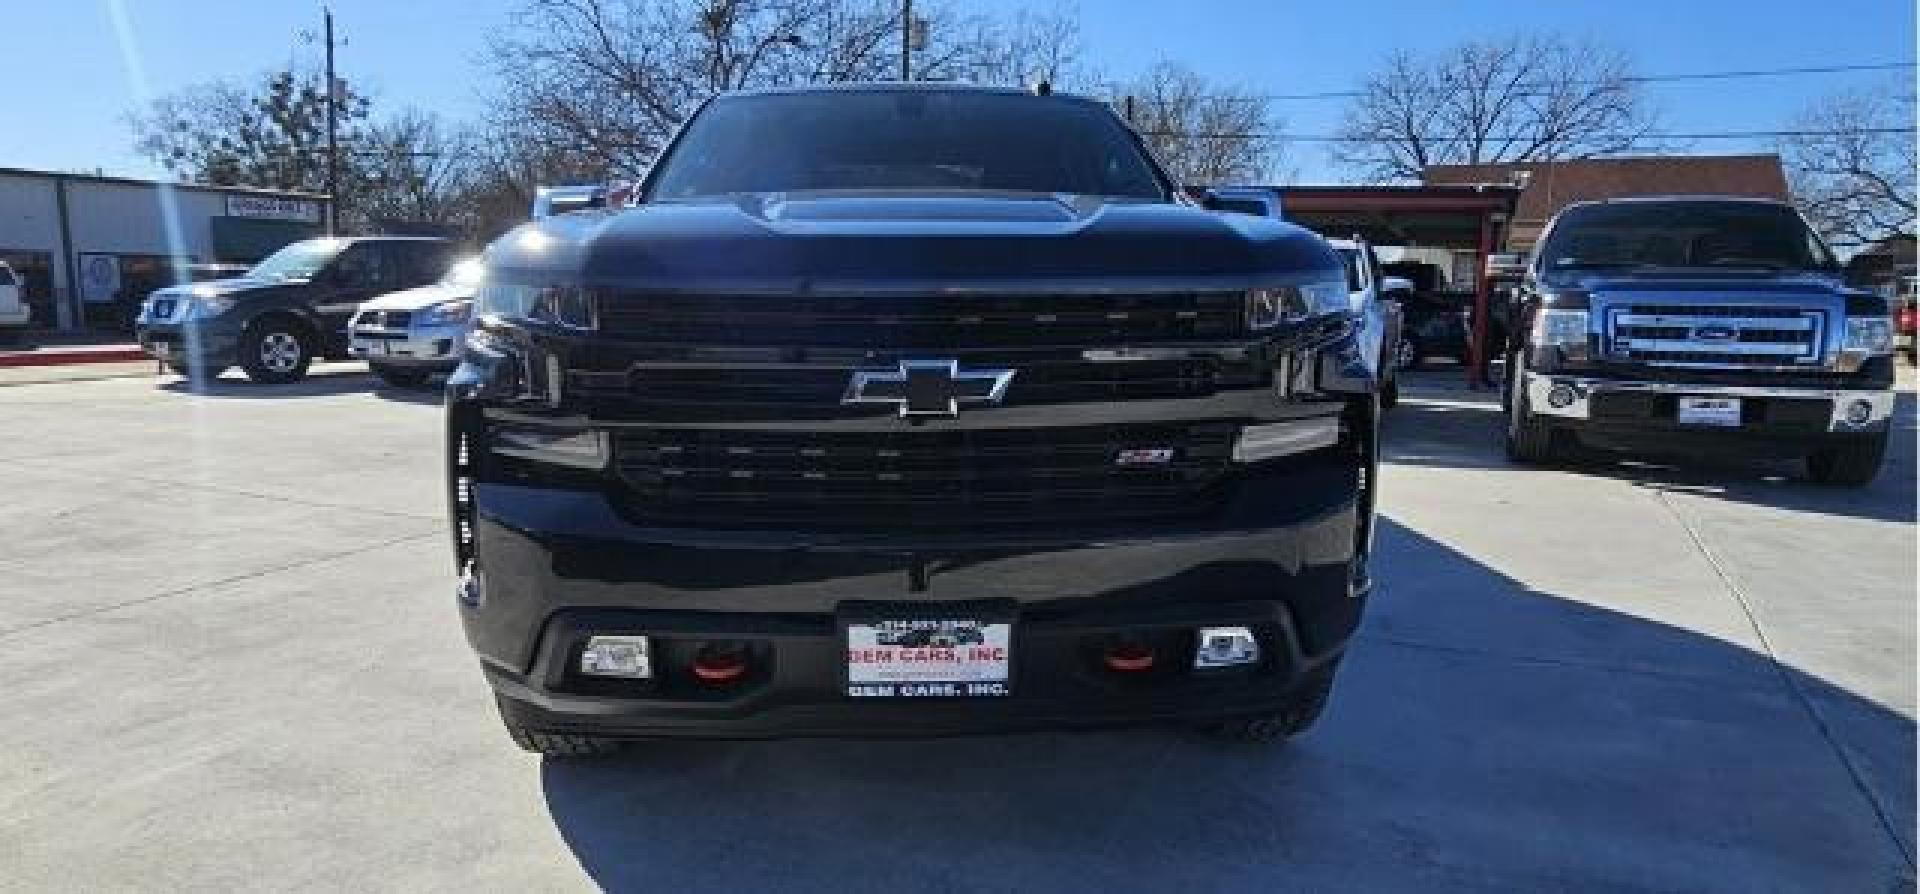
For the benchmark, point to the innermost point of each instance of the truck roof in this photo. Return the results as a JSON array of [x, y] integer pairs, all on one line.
[[1630, 200]]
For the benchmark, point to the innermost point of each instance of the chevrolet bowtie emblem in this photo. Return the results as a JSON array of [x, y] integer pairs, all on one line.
[[922, 388]]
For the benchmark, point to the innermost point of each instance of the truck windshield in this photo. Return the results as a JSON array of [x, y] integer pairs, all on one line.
[[301, 260], [1683, 234], [905, 140]]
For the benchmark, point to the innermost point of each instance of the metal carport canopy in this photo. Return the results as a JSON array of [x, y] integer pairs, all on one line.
[[1471, 218]]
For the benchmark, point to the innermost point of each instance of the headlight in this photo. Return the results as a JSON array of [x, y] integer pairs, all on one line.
[[1562, 330], [201, 307], [1267, 308], [568, 306], [448, 312], [1870, 335], [1560, 327]]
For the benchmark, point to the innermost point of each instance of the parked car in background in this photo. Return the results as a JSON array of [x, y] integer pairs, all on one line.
[[1433, 320], [551, 200], [287, 310], [14, 312], [410, 335], [1690, 324], [1379, 313]]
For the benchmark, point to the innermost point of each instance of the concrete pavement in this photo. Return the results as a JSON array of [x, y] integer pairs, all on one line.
[[233, 661]]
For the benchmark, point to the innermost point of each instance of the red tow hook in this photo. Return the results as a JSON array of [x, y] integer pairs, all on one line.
[[719, 665], [1129, 658]]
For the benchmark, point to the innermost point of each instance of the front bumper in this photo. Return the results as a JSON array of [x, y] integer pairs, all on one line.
[[417, 346], [1817, 410], [197, 344], [559, 566]]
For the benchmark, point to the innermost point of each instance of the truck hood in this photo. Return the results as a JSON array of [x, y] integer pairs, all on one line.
[[416, 298], [1748, 284], [888, 241]]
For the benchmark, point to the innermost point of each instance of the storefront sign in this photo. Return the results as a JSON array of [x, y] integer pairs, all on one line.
[[273, 209], [99, 278]]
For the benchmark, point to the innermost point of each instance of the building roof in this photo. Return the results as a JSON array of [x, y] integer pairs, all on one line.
[[1551, 186], [134, 181]]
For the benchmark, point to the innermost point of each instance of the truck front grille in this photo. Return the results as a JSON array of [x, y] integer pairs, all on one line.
[[923, 478], [385, 319], [921, 321], [1714, 335], [782, 386]]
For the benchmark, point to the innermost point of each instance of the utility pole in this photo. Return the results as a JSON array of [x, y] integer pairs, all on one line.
[[906, 40], [333, 145]]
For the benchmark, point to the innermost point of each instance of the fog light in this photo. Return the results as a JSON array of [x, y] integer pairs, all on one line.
[[1560, 397], [616, 656], [1225, 647], [1859, 412]]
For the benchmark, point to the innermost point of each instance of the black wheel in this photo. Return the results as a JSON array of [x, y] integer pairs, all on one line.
[[551, 744], [400, 376], [1530, 440], [1296, 717], [275, 351], [1853, 463]]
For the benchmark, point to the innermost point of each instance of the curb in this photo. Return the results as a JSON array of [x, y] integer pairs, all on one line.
[[69, 356]]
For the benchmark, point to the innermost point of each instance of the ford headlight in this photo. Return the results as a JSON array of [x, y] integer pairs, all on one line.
[[204, 306], [1870, 335], [1267, 308], [1561, 330]]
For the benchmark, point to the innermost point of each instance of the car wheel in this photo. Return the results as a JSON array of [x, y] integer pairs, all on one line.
[[1406, 354], [1853, 463], [1530, 440], [400, 376], [1299, 714], [275, 352]]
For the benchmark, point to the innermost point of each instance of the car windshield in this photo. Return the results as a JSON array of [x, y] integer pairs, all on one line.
[[905, 140], [301, 260], [1683, 234]]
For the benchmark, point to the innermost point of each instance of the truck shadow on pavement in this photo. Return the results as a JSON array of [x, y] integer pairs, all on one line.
[[1455, 428], [1482, 735]]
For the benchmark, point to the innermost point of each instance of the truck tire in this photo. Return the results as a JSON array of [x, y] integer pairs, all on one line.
[[1296, 717], [399, 376], [1852, 463], [552, 744], [276, 350], [1530, 440]]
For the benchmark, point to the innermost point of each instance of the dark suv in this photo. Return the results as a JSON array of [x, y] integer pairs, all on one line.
[[1685, 324], [879, 359], [288, 309]]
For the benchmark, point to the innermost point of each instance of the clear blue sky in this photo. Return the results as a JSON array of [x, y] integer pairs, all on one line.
[[67, 86]]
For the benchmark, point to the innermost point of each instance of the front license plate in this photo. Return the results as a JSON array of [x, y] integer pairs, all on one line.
[[1716, 411], [939, 657]]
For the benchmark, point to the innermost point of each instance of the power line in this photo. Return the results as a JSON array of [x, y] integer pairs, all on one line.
[[1499, 138], [1631, 79]]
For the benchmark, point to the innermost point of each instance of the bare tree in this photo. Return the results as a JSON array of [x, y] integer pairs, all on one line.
[[412, 167], [1852, 164], [612, 79], [266, 133], [1539, 98], [1204, 133]]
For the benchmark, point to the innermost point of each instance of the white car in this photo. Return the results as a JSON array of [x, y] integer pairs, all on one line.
[[14, 312], [409, 335], [1377, 309]]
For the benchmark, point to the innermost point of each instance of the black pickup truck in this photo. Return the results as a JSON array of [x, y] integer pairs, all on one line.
[[1688, 324], [875, 358]]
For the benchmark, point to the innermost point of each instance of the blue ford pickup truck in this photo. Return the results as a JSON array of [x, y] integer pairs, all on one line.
[[1686, 324], [909, 409]]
